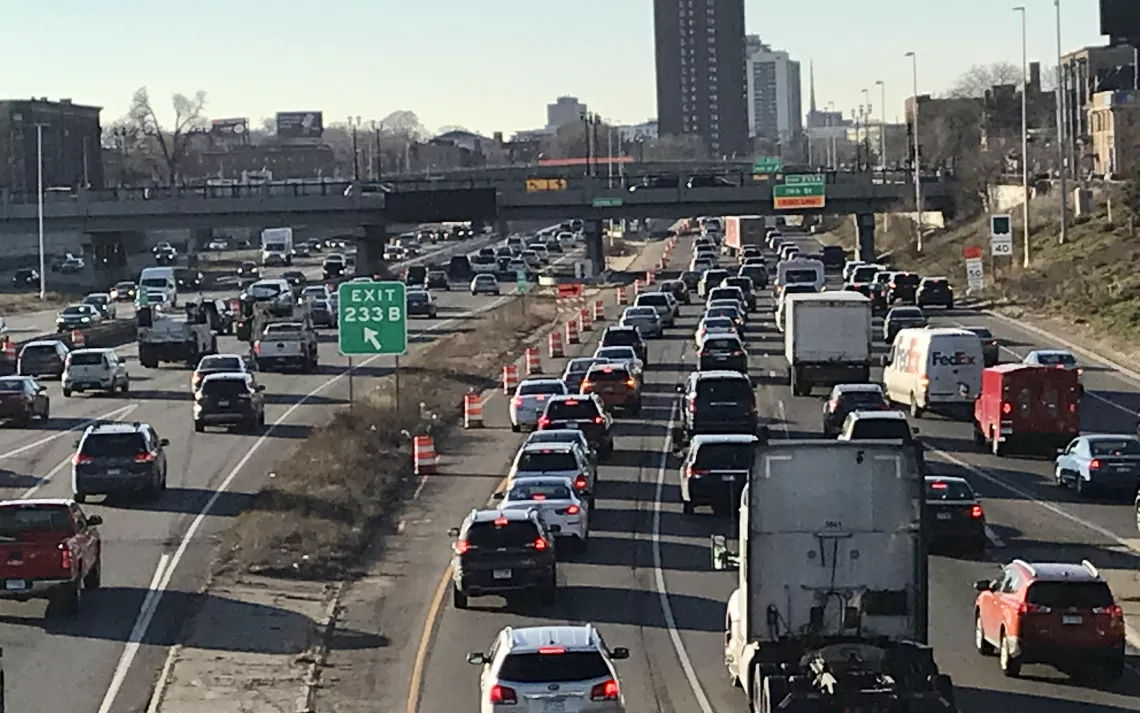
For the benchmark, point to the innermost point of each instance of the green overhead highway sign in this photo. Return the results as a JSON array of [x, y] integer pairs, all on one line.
[[803, 180], [785, 197], [768, 164], [372, 318], [607, 202]]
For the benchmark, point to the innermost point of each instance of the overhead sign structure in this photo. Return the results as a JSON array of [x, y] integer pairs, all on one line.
[[1001, 235], [767, 164], [793, 196], [229, 128], [813, 179], [372, 318], [538, 185], [975, 273], [607, 202]]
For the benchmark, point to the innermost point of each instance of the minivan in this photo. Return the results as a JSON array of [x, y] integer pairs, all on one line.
[[161, 279], [934, 370]]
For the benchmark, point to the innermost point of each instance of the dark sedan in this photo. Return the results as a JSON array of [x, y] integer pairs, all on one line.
[[953, 515], [901, 318], [991, 350], [437, 280], [420, 304]]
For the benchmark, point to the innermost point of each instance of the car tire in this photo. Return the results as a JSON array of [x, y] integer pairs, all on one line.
[[1009, 664], [1059, 481], [126, 387], [516, 428], [69, 600], [79, 498], [687, 507], [94, 578], [199, 427], [67, 393], [1082, 486], [916, 411]]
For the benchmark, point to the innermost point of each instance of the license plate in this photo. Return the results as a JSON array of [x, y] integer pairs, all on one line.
[[501, 574], [943, 516], [728, 478], [1071, 619], [15, 585], [114, 471], [554, 705], [223, 403]]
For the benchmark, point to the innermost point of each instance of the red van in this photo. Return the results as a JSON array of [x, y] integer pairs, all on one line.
[[1027, 408]]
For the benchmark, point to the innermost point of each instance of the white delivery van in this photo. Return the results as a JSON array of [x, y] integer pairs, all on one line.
[[799, 272], [160, 279], [934, 370], [277, 246]]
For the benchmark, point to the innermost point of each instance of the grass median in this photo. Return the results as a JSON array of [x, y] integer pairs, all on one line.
[[334, 492]]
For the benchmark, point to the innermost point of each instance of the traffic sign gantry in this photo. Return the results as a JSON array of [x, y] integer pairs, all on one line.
[[767, 164], [372, 318], [791, 197]]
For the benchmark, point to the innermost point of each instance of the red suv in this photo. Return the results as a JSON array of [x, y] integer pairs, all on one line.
[[1059, 614]]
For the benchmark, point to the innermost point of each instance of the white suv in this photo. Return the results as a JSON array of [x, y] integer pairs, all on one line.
[[542, 668]]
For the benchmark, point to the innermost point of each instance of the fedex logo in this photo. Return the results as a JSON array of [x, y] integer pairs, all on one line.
[[957, 359]]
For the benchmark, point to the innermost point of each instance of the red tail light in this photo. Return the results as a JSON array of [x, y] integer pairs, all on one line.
[[517, 401], [65, 556], [738, 353], [704, 353], [1027, 608], [540, 544], [503, 696], [543, 422], [257, 348], [462, 547], [586, 384], [551, 650], [1113, 611], [144, 457], [1007, 408], [1094, 464], [696, 471], [832, 405], [598, 420], [692, 404], [976, 512], [81, 459], [605, 691], [631, 383], [1060, 366], [580, 482]]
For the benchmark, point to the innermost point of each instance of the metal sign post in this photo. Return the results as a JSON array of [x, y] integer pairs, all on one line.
[[372, 319], [1001, 239]]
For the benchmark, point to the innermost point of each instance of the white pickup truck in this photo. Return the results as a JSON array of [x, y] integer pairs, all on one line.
[[284, 345]]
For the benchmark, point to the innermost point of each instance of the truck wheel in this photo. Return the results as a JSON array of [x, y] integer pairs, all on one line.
[[69, 600], [916, 411], [67, 393], [199, 426], [94, 578]]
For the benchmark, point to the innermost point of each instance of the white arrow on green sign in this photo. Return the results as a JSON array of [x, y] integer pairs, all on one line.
[[372, 318], [767, 164]]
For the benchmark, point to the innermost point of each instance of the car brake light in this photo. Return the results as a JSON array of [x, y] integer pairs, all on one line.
[[517, 401], [580, 483], [144, 457], [1094, 464], [80, 459], [696, 471], [1113, 611], [692, 404], [605, 691], [631, 383], [1006, 408], [925, 381], [501, 522], [976, 512], [573, 510], [586, 384], [538, 496], [571, 402], [64, 556], [548, 650], [462, 546], [503, 695], [598, 420], [1027, 608], [832, 405], [257, 348], [543, 422], [1072, 408], [738, 353], [938, 486], [1059, 366], [540, 544]]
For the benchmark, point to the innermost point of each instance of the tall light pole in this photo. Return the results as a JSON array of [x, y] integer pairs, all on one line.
[[883, 125], [40, 204], [1024, 140], [354, 124], [917, 168], [1061, 139]]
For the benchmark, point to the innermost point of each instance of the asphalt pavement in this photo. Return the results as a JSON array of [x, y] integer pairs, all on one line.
[[646, 579]]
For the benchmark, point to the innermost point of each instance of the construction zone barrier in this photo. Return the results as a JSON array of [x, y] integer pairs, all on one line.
[[554, 345], [510, 379], [9, 349], [572, 332], [533, 361], [587, 320], [622, 297], [649, 277], [664, 261], [599, 311], [423, 455], [77, 339], [472, 410], [636, 287]]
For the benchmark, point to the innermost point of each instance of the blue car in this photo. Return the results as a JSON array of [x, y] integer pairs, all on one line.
[[1100, 462]]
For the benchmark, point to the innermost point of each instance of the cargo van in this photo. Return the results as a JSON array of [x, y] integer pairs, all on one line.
[[934, 370], [800, 272], [160, 279]]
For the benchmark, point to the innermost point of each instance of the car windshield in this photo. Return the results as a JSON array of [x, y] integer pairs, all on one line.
[[75, 311], [280, 328], [125, 286], [1053, 358], [881, 428], [948, 490], [485, 280], [728, 313], [19, 520], [617, 353], [224, 387], [86, 358], [222, 363], [154, 282], [561, 435], [113, 445], [1105, 447], [743, 284], [38, 351], [936, 284], [854, 399], [11, 386], [531, 388], [722, 343], [571, 410], [315, 292], [906, 313], [514, 533], [754, 272], [554, 668], [1081, 595], [640, 313], [724, 293], [539, 490], [724, 456]]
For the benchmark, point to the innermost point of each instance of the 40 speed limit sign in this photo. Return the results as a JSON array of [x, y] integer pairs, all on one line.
[[1001, 235]]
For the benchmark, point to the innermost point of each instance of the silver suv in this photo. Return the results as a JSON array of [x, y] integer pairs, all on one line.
[[542, 668]]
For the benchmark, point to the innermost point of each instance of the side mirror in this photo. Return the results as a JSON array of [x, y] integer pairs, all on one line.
[[1060, 451], [41, 389], [453, 531], [619, 653], [164, 442], [499, 496], [884, 361], [722, 557], [477, 659], [984, 585], [261, 387], [94, 520]]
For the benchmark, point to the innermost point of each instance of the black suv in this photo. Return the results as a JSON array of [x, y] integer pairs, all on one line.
[[584, 412], [846, 398], [616, 336], [715, 402], [935, 291], [834, 258], [113, 458], [229, 399], [903, 287], [503, 552], [679, 289], [723, 352], [416, 276]]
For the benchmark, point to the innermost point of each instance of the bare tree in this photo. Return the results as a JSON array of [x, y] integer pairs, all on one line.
[[669, 148], [447, 129], [404, 124], [980, 78], [173, 143]]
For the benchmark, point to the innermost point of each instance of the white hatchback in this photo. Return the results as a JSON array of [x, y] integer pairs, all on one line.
[[530, 400]]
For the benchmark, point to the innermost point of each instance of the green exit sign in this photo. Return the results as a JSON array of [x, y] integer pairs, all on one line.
[[803, 180], [767, 164], [607, 202]]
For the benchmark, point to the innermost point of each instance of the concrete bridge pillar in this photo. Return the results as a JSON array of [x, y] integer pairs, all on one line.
[[503, 228], [595, 247], [865, 237], [370, 251]]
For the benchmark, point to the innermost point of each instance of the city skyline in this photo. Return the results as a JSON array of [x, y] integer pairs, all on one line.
[[452, 75]]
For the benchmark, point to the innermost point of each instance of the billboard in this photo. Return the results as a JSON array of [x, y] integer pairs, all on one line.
[[300, 124], [1120, 19], [229, 128]]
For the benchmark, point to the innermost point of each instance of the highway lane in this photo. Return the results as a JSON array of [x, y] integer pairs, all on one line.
[[142, 537]]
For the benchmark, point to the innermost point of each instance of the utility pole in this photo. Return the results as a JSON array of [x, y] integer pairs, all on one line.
[[354, 125], [1024, 140], [917, 168], [40, 204], [1061, 138]]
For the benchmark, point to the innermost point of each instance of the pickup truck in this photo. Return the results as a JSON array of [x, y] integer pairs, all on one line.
[[287, 344], [49, 549]]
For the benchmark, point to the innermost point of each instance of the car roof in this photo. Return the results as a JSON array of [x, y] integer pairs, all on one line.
[[720, 374], [738, 438], [512, 514], [547, 436], [43, 343], [870, 388], [580, 637], [58, 502], [226, 376], [541, 380], [115, 427], [878, 415], [1060, 571], [92, 350], [530, 447], [947, 479], [1051, 351]]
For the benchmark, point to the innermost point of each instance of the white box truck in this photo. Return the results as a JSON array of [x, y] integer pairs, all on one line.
[[830, 609], [827, 339], [277, 246]]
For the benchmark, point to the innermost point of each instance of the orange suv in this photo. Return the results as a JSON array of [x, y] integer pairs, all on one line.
[[616, 385], [1053, 613]]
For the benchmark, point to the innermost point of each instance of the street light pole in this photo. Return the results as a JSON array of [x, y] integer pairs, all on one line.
[[1024, 139], [40, 204], [883, 125], [917, 168], [355, 150], [1061, 133]]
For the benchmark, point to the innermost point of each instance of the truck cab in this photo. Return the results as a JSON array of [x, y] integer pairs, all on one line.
[[160, 279], [1027, 408]]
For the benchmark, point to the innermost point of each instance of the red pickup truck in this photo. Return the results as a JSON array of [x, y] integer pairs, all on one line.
[[49, 549]]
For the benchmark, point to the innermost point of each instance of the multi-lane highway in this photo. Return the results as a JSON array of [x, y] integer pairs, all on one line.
[[646, 579], [155, 554]]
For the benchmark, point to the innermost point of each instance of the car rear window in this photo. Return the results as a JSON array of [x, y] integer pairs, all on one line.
[[225, 387], [1114, 447], [616, 353], [654, 300], [982, 332], [854, 399], [1056, 358], [754, 272], [906, 279], [948, 490], [721, 343], [715, 276], [724, 392], [16, 521], [539, 490], [417, 297], [881, 428], [1082, 595], [723, 312], [554, 668], [609, 373], [864, 274], [829, 250], [282, 328], [541, 387], [724, 456], [515, 533], [715, 321], [265, 291], [743, 284], [113, 445], [620, 338], [546, 461], [39, 352], [221, 364], [571, 410], [581, 366], [87, 359], [906, 313], [11, 386], [937, 284], [800, 276]]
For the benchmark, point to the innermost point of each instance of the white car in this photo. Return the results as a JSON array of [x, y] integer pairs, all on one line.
[[556, 460], [587, 681], [540, 250], [701, 263], [567, 515], [646, 320], [485, 285], [1056, 358], [718, 326], [621, 355], [317, 292], [95, 370], [573, 436], [530, 398]]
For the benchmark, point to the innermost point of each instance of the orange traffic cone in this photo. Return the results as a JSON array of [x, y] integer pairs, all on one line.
[[572, 332], [423, 455], [622, 298], [554, 345], [77, 339], [510, 378], [472, 411], [599, 311], [533, 361]]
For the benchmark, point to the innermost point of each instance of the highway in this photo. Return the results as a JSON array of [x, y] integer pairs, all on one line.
[[156, 555], [646, 579]]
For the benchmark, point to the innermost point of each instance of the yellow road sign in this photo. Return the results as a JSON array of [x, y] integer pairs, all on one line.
[[797, 202], [534, 185]]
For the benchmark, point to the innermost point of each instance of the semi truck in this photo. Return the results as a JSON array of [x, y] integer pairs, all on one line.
[[827, 339], [830, 610], [277, 246], [742, 230]]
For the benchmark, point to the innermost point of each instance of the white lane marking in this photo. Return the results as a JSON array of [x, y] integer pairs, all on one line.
[[1132, 635], [48, 439], [659, 575], [993, 538], [157, 589], [783, 414]]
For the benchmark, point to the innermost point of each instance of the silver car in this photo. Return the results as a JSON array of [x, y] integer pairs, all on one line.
[[485, 285], [530, 398], [645, 320], [665, 304], [622, 355], [556, 460], [576, 371]]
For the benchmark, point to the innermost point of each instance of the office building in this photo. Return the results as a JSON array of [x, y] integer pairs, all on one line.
[[1089, 71], [72, 149], [1114, 126], [775, 108], [564, 110], [700, 72]]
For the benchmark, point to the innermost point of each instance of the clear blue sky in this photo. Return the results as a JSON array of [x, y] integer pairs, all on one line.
[[487, 65]]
